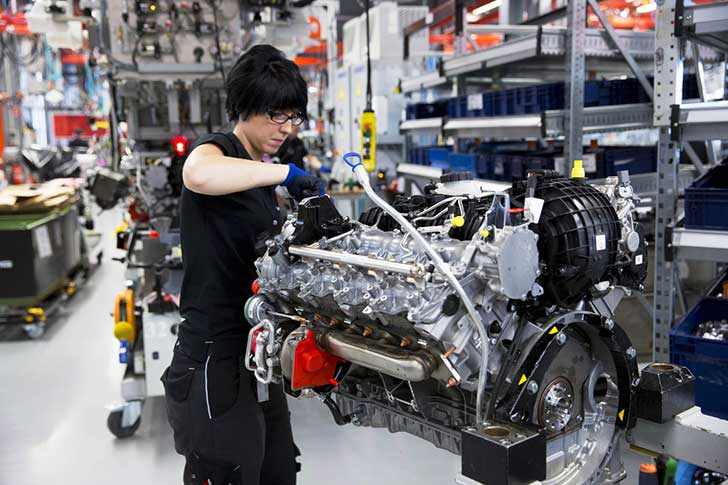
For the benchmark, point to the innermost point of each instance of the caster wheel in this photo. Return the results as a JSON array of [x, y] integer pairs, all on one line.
[[34, 330], [115, 424], [100, 258]]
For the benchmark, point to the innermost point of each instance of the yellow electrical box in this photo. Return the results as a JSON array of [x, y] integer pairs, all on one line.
[[369, 140], [124, 321]]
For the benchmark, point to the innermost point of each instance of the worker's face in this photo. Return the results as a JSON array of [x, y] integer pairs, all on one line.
[[266, 135]]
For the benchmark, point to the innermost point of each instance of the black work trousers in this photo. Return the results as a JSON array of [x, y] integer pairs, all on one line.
[[225, 434]]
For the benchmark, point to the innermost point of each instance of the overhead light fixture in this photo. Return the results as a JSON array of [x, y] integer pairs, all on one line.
[[650, 7], [483, 9]]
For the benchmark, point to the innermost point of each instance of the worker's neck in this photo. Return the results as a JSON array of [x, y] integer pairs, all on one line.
[[240, 133]]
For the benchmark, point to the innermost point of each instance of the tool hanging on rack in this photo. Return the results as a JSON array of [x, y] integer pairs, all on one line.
[[368, 118]]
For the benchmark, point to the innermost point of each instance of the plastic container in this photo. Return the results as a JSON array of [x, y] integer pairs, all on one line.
[[438, 157], [637, 160], [597, 93], [706, 200], [707, 359], [461, 162], [457, 107], [426, 110]]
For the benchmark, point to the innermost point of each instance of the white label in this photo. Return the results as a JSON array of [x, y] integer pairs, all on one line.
[[638, 260], [601, 242], [42, 242], [6, 264], [475, 101], [589, 161], [429, 18]]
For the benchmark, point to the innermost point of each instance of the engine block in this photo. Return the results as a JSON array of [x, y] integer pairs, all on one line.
[[463, 308]]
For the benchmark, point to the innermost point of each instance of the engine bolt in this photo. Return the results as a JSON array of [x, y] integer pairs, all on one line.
[[608, 324], [631, 353], [405, 342], [532, 387], [561, 338], [452, 382], [367, 332]]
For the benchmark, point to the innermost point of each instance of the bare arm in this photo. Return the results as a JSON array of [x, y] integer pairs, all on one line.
[[208, 171]]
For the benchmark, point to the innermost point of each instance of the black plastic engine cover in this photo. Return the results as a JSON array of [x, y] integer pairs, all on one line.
[[317, 218], [579, 234]]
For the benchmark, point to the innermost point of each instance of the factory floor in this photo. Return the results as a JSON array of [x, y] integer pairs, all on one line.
[[54, 393]]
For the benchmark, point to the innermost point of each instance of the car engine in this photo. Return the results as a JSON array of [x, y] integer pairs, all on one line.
[[461, 313]]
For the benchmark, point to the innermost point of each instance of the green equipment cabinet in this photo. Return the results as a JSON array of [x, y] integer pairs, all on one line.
[[38, 253]]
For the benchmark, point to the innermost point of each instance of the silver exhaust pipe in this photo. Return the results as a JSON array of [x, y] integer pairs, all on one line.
[[403, 364]]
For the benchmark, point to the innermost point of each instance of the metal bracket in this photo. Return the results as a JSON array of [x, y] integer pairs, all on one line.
[[675, 122], [668, 244], [679, 17]]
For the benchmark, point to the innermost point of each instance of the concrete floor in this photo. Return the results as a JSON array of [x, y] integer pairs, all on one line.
[[54, 394]]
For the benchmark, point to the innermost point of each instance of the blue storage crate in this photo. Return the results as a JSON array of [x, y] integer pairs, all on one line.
[[636, 160], [597, 93], [411, 112], [462, 162], [707, 359], [538, 98], [706, 200], [500, 166], [426, 110], [457, 107], [484, 166], [498, 100], [438, 157]]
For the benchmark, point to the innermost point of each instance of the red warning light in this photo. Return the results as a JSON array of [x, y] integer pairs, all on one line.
[[179, 145]]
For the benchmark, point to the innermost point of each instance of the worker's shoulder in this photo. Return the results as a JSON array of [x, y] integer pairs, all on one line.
[[226, 142]]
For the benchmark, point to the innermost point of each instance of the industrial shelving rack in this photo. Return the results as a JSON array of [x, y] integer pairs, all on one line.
[[573, 50], [677, 28], [549, 52]]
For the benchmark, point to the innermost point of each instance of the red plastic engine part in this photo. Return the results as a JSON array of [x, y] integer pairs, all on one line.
[[312, 367]]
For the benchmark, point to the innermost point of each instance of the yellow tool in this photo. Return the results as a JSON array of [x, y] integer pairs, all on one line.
[[369, 140], [124, 322]]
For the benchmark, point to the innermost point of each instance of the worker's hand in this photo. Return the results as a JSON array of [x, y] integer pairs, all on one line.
[[301, 184]]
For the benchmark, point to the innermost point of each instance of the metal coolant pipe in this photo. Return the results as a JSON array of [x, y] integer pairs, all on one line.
[[354, 160], [356, 260]]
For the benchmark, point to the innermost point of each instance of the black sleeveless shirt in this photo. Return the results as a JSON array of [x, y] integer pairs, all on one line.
[[218, 236]]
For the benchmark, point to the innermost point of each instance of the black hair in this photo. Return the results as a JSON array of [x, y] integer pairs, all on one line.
[[263, 79]]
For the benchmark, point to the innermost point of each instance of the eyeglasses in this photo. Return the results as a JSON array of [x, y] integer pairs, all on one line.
[[277, 117]]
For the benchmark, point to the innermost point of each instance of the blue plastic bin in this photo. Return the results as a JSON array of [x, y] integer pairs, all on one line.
[[438, 157], [706, 200], [635, 159], [707, 359], [461, 162]]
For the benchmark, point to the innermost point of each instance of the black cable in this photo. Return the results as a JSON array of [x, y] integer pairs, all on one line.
[[369, 61], [217, 41]]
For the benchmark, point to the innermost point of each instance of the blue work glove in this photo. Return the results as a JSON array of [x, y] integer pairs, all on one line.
[[301, 184]]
